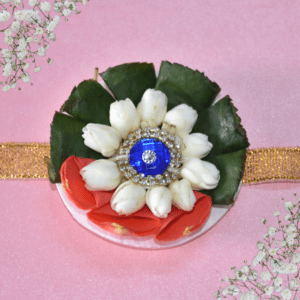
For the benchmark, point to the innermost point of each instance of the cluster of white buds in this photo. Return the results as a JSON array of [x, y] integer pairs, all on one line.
[[28, 30]]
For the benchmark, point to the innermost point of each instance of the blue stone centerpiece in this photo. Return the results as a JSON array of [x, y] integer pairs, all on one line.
[[149, 156]]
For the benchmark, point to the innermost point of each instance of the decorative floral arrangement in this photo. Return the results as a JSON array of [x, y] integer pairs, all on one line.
[[274, 272], [146, 163], [29, 35]]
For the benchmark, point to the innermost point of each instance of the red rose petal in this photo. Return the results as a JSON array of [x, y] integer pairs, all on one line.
[[180, 223], [73, 184]]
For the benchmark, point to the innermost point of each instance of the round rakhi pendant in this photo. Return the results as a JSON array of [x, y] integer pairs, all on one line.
[[150, 157]]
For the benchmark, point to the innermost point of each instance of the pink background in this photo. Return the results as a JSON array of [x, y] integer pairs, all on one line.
[[250, 48]]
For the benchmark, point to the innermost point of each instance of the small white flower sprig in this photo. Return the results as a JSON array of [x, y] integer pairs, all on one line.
[[29, 29], [274, 272]]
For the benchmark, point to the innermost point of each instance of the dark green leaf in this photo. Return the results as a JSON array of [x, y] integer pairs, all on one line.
[[66, 140], [222, 126], [130, 80], [231, 167], [89, 102], [184, 85]]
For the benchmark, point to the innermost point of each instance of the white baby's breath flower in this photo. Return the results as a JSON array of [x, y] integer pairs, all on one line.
[[263, 220], [273, 251], [52, 36], [288, 205], [277, 281], [33, 2], [276, 213], [233, 290], [45, 6], [290, 240], [67, 12], [22, 54], [84, 2], [290, 268], [16, 2], [255, 262], [253, 274], [283, 244], [269, 290], [296, 257], [294, 283], [41, 51], [248, 296], [25, 77], [26, 66], [276, 243], [57, 6], [4, 16], [36, 40], [287, 217], [272, 230], [265, 276], [50, 62], [8, 40], [29, 39], [286, 294], [15, 26], [70, 5], [6, 88], [260, 245], [8, 32], [7, 69], [39, 31], [36, 69], [5, 1], [291, 228]]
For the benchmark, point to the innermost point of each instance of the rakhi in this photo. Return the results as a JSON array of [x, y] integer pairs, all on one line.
[[156, 142]]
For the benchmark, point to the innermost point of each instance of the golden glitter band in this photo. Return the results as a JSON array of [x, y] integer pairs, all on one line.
[[270, 164], [23, 160], [27, 160]]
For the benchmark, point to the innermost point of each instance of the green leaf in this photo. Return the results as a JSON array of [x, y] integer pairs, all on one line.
[[66, 140], [89, 102], [222, 126], [184, 85], [231, 167], [130, 80]]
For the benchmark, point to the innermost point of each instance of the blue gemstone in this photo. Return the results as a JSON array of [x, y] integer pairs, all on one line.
[[149, 156]]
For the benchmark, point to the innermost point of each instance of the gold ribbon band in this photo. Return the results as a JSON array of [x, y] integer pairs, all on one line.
[[27, 160]]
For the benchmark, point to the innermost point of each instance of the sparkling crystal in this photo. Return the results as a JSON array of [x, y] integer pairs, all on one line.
[[173, 155], [129, 136], [168, 180], [179, 155], [158, 176], [149, 156], [150, 177], [173, 150], [178, 164], [136, 179], [144, 181], [171, 137], [162, 181], [128, 175], [174, 176], [153, 183], [123, 169], [163, 132], [125, 143], [133, 171], [167, 174], [177, 145], [141, 175], [163, 138]]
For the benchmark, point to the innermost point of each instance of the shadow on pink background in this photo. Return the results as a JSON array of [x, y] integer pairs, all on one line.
[[250, 48]]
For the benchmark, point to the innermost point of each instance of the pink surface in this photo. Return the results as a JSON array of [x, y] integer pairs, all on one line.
[[250, 48]]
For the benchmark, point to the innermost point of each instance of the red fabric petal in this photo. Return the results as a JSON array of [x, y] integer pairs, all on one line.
[[73, 184], [180, 223], [141, 223]]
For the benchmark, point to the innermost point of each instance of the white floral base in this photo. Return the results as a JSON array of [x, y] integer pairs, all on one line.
[[141, 242]]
